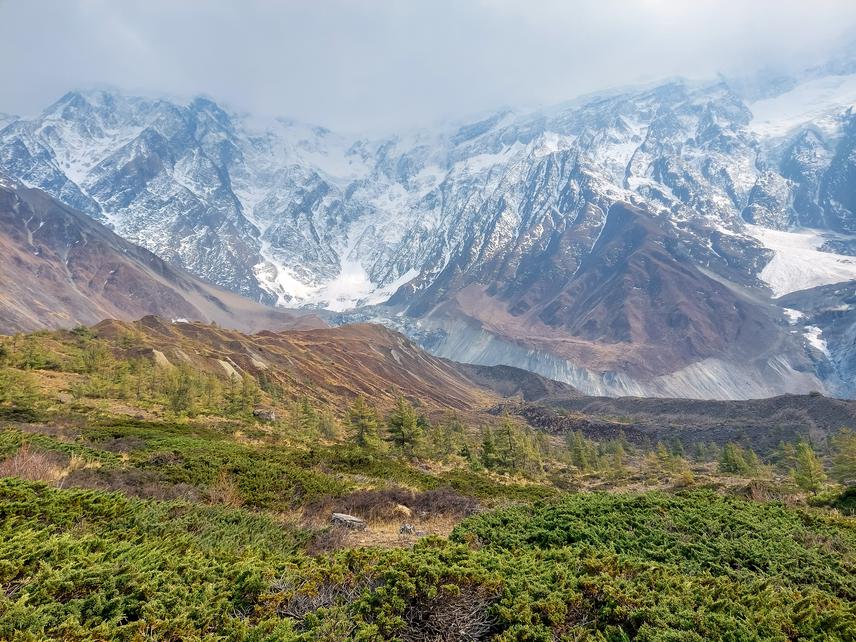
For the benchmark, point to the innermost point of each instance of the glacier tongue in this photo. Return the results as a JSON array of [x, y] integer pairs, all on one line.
[[819, 102], [798, 263]]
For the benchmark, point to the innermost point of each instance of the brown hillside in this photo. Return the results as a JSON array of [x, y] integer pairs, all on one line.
[[60, 268], [331, 365]]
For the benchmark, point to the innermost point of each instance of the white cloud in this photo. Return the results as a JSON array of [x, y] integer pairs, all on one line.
[[358, 64]]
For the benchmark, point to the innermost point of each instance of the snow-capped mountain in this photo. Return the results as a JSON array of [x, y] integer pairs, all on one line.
[[637, 241], [61, 268]]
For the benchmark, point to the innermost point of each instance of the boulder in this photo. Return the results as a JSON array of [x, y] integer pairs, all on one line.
[[348, 521], [402, 511], [264, 414]]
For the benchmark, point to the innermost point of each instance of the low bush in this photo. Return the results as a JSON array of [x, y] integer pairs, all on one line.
[[133, 482], [77, 564], [700, 531], [844, 501]]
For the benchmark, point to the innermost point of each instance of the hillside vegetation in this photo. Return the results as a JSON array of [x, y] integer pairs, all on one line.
[[147, 491]]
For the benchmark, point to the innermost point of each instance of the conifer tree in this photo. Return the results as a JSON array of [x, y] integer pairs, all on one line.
[[489, 458], [616, 467], [663, 454], [844, 457], [733, 460], [403, 426], [439, 442], [786, 456], [327, 426], [677, 448], [242, 394], [17, 388], [179, 390], [505, 446], [307, 418], [466, 453], [714, 452], [753, 463], [580, 451], [808, 470], [250, 394], [364, 425], [212, 391]]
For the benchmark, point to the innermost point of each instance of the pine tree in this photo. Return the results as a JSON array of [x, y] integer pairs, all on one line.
[[511, 448], [753, 463], [786, 456], [677, 448], [441, 441], [844, 457], [458, 437], [733, 460], [808, 471], [250, 394], [714, 452], [616, 467], [271, 386], [505, 446], [489, 458], [466, 454], [212, 392], [121, 378], [241, 394], [307, 418], [579, 450], [93, 356], [179, 390], [17, 388], [664, 457], [403, 426], [363, 422], [328, 427]]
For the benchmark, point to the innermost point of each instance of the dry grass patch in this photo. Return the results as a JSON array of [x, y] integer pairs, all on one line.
[[33, 464], [396, 504]]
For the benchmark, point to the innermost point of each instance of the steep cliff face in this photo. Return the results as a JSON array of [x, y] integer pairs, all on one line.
[[635, 235]]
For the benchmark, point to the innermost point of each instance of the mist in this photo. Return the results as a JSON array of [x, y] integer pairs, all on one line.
[[378, 66]]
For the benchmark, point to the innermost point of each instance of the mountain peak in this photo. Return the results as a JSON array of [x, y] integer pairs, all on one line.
[[495, 226]]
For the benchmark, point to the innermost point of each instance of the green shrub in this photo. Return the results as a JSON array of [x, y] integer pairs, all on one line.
[[695, 566], [83, 565], [846, 501], [17, 389]]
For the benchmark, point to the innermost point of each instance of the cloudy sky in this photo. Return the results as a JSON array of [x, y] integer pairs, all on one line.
[[384, 64]]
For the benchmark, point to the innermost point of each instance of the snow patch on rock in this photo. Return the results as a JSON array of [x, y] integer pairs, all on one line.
[[818, 101], [814, 336]]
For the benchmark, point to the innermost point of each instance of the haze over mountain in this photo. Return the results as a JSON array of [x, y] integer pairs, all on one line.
[[390, 66]]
